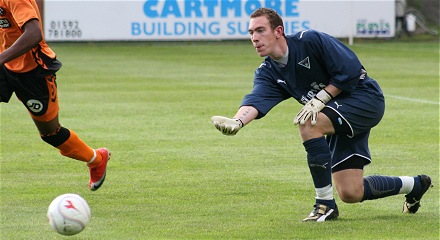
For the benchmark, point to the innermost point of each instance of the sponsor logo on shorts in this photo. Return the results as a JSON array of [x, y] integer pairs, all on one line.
[[338, 105], [35, 105]]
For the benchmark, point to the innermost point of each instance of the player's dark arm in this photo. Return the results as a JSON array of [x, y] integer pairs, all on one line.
[[29, 39], [332, 90]]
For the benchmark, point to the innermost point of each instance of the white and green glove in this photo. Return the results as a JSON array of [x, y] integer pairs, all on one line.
[[312, 108], [228, 126]]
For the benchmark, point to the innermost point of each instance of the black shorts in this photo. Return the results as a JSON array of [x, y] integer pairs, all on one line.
[[353, 115], [36, 89]]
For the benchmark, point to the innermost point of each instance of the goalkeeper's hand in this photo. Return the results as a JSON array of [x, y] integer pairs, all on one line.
[[312, 108], [228, 126]]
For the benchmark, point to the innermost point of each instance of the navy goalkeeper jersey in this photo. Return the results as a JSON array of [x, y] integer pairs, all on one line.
[[315, 60]]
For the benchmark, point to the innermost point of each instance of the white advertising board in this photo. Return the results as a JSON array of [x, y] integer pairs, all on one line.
[[132, 20]]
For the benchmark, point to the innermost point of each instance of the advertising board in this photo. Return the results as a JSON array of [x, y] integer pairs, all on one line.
[[117, 20]]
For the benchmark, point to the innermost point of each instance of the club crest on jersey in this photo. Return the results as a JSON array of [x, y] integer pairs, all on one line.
[[2, 12], [305, 62]]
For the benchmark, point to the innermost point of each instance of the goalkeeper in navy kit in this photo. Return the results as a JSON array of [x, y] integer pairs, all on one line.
[[341, 105]]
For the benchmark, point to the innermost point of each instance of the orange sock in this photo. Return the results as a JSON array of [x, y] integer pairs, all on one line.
[[96, 160], [75, 148]]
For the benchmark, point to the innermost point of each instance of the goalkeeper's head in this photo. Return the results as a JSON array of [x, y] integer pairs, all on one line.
[[274, 18]]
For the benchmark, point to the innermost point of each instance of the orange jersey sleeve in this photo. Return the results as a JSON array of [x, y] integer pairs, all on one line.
[[13, 15]]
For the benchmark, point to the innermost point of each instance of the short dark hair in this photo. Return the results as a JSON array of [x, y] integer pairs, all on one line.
[[274, 18]]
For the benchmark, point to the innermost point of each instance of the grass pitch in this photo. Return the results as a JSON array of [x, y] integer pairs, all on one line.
[[174, 176]]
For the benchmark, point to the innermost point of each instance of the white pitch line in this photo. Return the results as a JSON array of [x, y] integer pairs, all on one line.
[[413, 99]]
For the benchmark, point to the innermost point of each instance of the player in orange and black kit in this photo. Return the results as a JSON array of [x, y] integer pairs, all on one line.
[[28, 67]]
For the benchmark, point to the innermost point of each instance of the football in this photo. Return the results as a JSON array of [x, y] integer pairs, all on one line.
[[68, 214]]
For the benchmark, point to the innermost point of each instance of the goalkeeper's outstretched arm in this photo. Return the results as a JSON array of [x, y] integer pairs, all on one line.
[[246, 114], [230, 126]]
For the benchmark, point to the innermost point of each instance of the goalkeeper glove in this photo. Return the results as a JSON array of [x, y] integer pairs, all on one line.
[[312, 108], [228, 126]]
